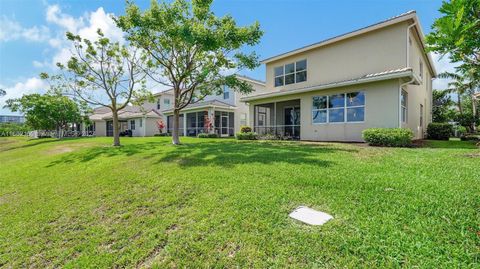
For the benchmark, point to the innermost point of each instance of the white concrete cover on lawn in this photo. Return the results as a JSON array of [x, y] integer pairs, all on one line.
[[310, 216]]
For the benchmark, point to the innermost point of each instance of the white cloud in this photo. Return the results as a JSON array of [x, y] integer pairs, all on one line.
[[55, 15], [442, 64], [29, 86], [11, 30], [86, 26], [38, 64]]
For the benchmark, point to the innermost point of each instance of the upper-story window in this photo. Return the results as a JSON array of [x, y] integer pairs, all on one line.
[[166, 102], [226, 92], [290, 73], [158, 103]]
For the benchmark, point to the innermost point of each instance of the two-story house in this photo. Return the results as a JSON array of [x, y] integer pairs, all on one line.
[[376, 76], [225, 112]]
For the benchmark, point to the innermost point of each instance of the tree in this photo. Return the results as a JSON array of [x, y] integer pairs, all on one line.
[[457, 33], [2, 92], [190, 49], [465, 85], [442, 103], [103, 73], [46, 112]]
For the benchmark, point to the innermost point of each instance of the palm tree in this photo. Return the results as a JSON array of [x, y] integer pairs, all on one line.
[[458, 85]]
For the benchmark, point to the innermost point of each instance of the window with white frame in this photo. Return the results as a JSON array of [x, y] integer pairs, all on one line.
[[342, 107], [243, 119], [166, 101], [404, 104], [290, 73], [226, 92], [141, 122], [158, 103], [132, 125]]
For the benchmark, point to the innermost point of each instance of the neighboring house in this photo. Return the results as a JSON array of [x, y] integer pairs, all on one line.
[[140, 121], [225, 111], [12, 119], [377, 76]]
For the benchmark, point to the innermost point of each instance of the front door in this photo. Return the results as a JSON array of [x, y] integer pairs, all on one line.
[[292, 122]]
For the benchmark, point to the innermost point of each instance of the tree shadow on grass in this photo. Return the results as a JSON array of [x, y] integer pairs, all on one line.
[[90, 154], [30, 143], [219, 153], [231, 154]]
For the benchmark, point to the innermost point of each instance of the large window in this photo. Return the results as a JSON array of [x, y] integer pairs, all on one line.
[[166, 102], [343, 107], [132, 125], [404, 103], [290, 73]]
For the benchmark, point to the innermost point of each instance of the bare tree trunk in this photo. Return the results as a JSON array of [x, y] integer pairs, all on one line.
[[175, 132], [116, 131], [474, 112], [459, 103]]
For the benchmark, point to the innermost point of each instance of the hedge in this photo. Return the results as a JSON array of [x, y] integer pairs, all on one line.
[[245, 129], [388, 137], [207, 135], [246, 136], [439, 131]]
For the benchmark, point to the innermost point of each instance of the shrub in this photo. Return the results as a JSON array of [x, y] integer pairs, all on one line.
[[471, 137], [439, 131], [11, 129], [245, 129], [246, 136], [269, 137], [460, 130], [207, 135], [388, 137]]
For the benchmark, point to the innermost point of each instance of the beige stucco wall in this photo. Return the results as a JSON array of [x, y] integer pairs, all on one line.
[[151, 126], [242, 108], [376, 51], [418, 94], [381, 110], [100, 128]]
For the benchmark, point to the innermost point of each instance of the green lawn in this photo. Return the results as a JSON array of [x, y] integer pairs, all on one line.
[[222, 203]]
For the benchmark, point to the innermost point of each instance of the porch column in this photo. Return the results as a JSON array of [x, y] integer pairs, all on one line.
[[275, 117], [211, 116], [144, 126], [184, 124]]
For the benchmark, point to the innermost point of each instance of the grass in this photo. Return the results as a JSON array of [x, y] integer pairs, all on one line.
[[220, 203]]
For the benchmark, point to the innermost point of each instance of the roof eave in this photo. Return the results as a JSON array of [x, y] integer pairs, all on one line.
[[410, 15], [407, 73]]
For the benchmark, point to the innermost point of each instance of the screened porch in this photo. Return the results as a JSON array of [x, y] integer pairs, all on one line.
[[280, 119]]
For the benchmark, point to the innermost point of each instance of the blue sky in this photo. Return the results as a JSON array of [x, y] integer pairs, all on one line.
[[32, 32]]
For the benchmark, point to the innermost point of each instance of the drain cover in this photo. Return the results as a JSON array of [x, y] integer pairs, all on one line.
[[310, 216]]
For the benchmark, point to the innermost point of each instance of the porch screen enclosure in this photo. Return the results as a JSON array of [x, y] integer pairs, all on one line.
[[281, 119]]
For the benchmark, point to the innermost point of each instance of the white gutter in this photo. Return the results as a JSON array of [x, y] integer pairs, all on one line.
[[408, 43], [406, 73]]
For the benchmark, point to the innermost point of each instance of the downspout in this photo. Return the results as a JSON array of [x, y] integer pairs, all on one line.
[[408, 43], [407, 63]]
